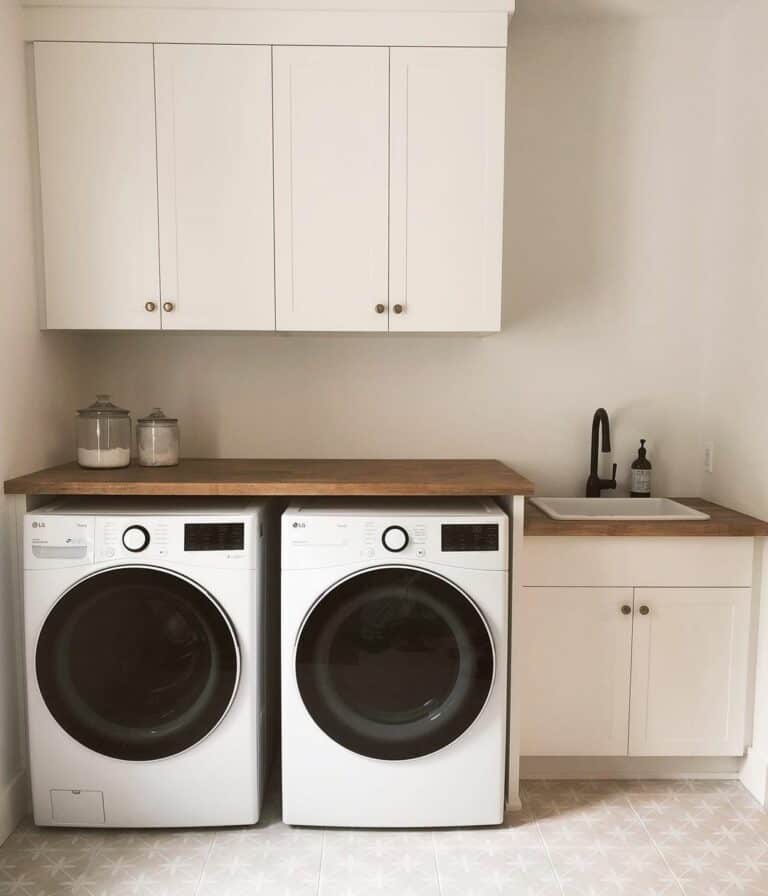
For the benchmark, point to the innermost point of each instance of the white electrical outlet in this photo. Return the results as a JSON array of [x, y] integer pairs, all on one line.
[[709, 457]]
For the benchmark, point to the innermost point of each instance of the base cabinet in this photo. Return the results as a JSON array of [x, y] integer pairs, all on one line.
[[576, 648], [634, 671], [689, 671]]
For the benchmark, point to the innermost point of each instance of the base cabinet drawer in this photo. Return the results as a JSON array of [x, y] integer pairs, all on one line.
[[633, 672]]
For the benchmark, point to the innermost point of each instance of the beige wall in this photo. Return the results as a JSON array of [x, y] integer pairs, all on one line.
[[608, 202], [736, 388], [37, 386], [736, 414]]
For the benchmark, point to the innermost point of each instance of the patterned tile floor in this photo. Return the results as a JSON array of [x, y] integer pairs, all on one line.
[[602, 838]]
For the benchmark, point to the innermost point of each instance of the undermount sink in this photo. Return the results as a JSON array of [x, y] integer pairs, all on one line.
[[617, 509]]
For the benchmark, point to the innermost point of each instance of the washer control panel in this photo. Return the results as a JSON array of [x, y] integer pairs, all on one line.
[[323, 539], [55, 540]]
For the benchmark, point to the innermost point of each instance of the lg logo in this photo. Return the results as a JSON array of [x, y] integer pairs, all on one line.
[[36, 525], [299, 525]]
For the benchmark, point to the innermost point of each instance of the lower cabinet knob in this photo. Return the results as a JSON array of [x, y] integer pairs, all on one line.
[[168, 306], [150, 306], [380, 309], [644, 611], [626, 609], [398, 309]]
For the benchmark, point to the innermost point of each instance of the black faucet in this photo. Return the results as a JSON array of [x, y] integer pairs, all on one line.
[[595, 484]]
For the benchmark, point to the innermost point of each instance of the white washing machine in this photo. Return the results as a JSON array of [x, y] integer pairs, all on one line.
[[394, 658], [144, 630]]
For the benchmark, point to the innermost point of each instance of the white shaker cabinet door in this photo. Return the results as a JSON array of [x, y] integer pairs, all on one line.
[[446, 188], [331, 187], [689, 671], [576, 651], [214, 150], [95, 108]]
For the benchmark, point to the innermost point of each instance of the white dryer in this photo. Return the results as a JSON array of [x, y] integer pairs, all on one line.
[[394, 658], [144, 630]]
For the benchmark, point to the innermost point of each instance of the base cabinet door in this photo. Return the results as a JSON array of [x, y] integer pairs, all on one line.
[[689, 671], [447, 188], [575, 668], [95, 109], [214, 149], [331, 120]]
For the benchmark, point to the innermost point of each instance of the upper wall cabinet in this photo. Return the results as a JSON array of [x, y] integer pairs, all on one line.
[[331, 170], [96, 137], [214, 155], [447, 186], [97, 106], [244, 187]]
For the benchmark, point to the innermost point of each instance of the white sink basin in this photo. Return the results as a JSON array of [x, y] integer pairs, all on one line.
[[617, 509]]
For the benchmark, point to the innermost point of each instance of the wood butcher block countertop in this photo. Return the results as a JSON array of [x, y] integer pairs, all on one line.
[[201, 476], [722, 522]]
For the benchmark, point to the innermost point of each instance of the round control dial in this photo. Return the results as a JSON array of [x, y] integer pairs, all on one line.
[[395, 539], [135, 538]]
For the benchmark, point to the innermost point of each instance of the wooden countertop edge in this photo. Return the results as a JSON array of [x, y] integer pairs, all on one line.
[[723, 522], [282, 478]]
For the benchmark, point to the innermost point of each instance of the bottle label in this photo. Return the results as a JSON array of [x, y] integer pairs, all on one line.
[[641, 482]]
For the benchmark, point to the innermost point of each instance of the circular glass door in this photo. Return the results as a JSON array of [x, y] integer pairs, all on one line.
[[394, 663], [137, 663]]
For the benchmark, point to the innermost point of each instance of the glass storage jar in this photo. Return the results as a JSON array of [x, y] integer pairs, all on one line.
[[157, 437], [103, 435]]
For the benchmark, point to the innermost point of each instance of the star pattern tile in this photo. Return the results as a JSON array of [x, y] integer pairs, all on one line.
[[571, 838]]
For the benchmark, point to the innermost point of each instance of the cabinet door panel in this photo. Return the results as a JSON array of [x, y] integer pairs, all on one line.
[[447, 186], [689, 671], [98, 183], [331, 187], [214, 145], [575, 667]]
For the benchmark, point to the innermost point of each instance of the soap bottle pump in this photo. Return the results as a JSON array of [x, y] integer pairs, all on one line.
[[641, 474]]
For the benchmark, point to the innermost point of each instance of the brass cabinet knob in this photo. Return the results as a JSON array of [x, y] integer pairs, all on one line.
[[168, 306], [150, 306], [626, 609], [380, 309], [644, 611], [398, 309]]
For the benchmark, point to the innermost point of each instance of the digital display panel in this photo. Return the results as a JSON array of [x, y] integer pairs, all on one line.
[[214, 536], [470, 537]]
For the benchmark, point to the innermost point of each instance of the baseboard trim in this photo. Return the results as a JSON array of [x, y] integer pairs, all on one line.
[[14, 804], [612, 767], [754, 775]]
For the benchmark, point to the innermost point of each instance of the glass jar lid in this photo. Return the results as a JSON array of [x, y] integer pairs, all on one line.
[[103, 407], [157, 418]]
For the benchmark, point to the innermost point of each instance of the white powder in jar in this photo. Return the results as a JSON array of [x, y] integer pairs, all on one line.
[[158, 446], [105, 458]]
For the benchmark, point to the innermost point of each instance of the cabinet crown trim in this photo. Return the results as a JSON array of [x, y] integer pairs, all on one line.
[[242, 25]]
